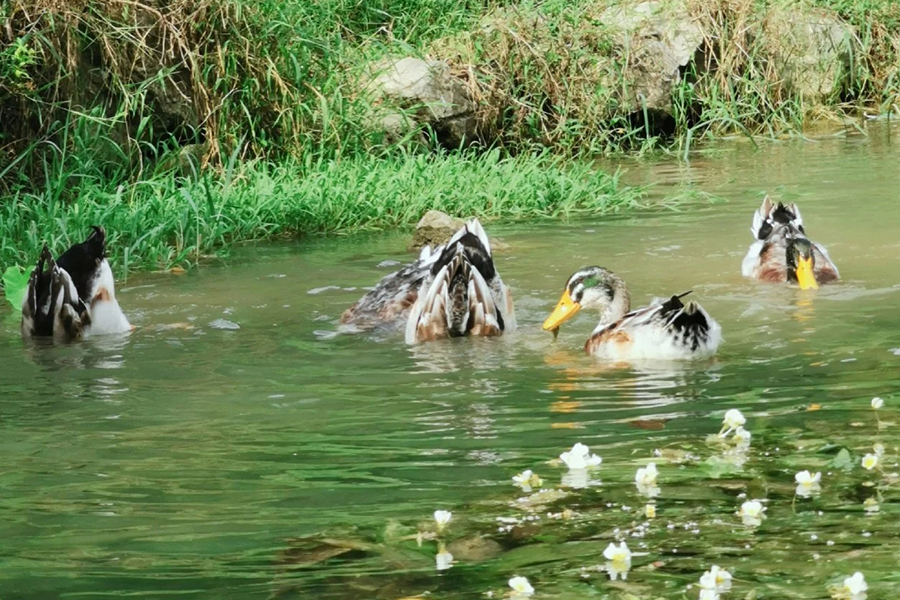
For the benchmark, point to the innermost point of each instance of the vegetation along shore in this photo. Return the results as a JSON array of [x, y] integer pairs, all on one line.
[[186, 126]]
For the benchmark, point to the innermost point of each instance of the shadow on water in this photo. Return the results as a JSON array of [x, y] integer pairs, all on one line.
[[233, 446]]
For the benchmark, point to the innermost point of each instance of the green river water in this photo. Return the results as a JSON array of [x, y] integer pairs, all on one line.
[[276, 460]]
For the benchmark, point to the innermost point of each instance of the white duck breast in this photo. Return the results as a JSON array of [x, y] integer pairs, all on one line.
[[106, 314]]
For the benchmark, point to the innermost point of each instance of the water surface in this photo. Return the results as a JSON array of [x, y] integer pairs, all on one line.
[[233, 447]]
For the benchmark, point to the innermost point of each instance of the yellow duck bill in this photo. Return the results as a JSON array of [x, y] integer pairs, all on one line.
[[565, 310], [806, 277]]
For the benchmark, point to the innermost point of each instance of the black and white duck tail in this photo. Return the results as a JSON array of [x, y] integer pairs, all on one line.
[[771, 216], [51, 307], [692, 328]]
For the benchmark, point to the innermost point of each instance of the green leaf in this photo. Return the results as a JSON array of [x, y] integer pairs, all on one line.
[[15, 280], [842, 460]]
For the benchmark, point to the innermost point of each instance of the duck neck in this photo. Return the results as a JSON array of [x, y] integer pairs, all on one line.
[[618, 307]]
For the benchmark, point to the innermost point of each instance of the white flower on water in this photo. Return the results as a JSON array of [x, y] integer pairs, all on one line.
[[870, 461], [650, 511], [854, 588], [646, 475], [877, 403], [645, 479], [526, 480], [752, 512], [807, 484], [707, 594], [742, 438], [716, 579], [733, 419], [520, 587], [441, 518], [580, 457], [443, 559], [618, 560]]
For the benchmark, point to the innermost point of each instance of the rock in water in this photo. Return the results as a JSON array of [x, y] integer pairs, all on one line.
[[433, 229]]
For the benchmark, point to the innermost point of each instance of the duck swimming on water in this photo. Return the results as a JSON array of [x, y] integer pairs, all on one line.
[[73, 296], [781, 252], [453, 290], [663, 330]]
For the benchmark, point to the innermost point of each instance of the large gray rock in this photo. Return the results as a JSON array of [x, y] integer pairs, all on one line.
[[810, 50], [429, 93], [657, 39]]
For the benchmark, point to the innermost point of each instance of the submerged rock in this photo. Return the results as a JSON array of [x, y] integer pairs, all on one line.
[[433, 229], [474, 548], [412, 92], [436, 228]]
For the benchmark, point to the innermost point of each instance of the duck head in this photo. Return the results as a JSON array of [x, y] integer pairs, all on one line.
[[801, 261], [592, 288]]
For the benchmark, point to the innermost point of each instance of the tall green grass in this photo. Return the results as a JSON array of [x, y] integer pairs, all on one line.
[[166, 220]]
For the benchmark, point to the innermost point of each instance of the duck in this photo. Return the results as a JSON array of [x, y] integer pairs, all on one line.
[[781, 251], [453, 290], [74, 295], [668, 329]]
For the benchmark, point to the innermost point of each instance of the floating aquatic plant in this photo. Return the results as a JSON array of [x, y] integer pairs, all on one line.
[[870, 461], [520, 586], [645, 479], [752, 513], [618, 560], [580, 457], [807, 484], [732, 420], [877, 403], [650, 511], [527, 480], [853, 588], [441, 518], [716, 579]]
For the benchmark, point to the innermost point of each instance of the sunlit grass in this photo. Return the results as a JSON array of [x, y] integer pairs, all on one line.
[[166, 220]]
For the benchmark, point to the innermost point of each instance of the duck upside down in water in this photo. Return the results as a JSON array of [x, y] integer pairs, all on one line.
[[781, 252], [73, 296], [453, 290], [663, 330]]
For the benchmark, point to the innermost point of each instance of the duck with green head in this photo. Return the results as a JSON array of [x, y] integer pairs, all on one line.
[[782, 253], [664, 330]]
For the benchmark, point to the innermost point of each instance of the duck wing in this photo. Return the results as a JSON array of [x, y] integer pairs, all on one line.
[[389, 302], [668, 329]]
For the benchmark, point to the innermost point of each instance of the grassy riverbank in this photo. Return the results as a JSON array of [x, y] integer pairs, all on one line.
[[103, 103], [166, 220]]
